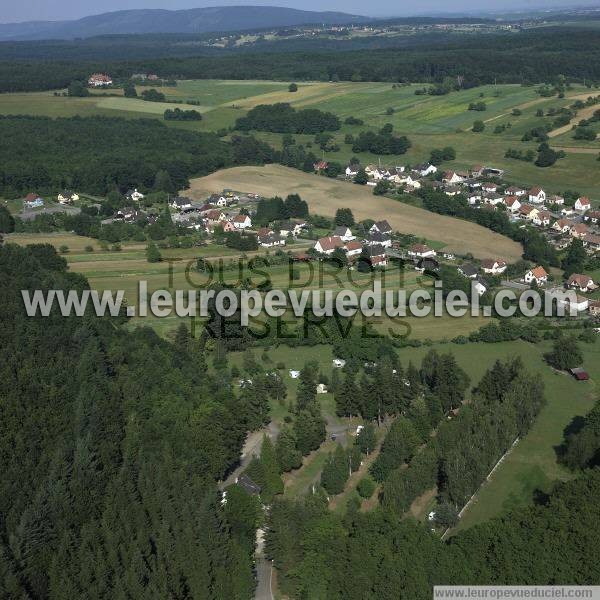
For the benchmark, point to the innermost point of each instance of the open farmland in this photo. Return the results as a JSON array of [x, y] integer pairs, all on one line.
[[324, 196]]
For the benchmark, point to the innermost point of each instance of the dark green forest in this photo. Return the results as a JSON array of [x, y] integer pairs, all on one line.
[[100, 154], [527, 57]]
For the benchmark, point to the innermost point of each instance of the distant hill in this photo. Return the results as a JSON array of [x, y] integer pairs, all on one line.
[[195, 20]]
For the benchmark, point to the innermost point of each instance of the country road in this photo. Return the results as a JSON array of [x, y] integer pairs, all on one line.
[[264, 570]]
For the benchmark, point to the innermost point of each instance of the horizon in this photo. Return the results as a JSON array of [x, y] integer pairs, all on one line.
[[40, 10]]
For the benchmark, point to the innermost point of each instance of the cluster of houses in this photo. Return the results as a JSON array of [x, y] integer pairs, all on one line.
[[377, 243], [97, 80]]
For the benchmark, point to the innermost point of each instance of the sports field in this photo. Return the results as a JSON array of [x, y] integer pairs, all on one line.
[[325, 195]]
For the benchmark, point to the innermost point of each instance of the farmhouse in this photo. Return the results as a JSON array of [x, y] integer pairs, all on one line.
[[537, 275], [134, 195], [33, 200], [242, 222], [99, 80], [582, 204], [66, 197], [583, 283], [421, 251], [493, 266], [326, 245], [537, 195]]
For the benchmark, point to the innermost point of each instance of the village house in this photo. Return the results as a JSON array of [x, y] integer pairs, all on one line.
[[452, 191], [537, 195], [542, 219], [425, 169], [320, 165], [493, 266], [180, 202], [528, 212], [134, 195], [594, 308], [582, 204], [218, 200], [577, 304], [468, 270], [291, 227], [567, 211], [477, 171], [376, 173], [378, 239], [563, 225], [489, 188], [406, 180], [512, 203], [33, 200], [228, 226], [427, 264], [353, 248], [579, 230], [99, 80], [474, 198], [381, 227], [537, 275], [452, 177], [377, 256], [352, 170], [592, 216], [66, 197], [481, 286], [492, 199], [270, 239], [591, 242], [555, 199], [583, 283], [326, 245], [344, 233], [515, 191], [214, 216], [421, 251], [242, 222]]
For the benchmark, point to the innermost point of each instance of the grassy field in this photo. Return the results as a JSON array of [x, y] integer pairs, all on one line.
[[429, 121], [325, 195], [532, 464]]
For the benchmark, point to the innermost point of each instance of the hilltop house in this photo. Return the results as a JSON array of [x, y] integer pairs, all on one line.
[[583, 283], [537, 275], [493, 266], [99, 80], [326, 245], [537, 195]]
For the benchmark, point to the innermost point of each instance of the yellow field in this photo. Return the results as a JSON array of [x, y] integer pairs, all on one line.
[[325, 195]]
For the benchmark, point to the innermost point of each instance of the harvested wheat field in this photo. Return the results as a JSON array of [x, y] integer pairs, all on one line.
[[325, 195]]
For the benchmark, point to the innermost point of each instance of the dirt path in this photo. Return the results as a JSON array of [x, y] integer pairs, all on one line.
[[419, 505], [584, 113], [577, 150]]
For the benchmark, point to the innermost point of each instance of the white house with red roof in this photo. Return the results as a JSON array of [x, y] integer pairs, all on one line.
[[512, 203], [537, 275], [493, 266], [582, 204], [99, 80], [583, 283], [537, 195], [421, 251], [326, 245], [242, 222]]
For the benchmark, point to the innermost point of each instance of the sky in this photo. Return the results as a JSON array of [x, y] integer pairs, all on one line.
[[54, 10]]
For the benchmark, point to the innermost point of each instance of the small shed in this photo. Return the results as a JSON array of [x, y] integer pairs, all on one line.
[[579, 374]]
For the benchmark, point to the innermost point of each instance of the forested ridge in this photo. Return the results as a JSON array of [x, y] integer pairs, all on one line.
[[110, 445], [527, 57]]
